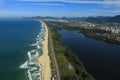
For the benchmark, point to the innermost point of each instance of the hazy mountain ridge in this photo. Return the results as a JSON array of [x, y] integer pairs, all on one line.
[[98, 19], [101, 19]]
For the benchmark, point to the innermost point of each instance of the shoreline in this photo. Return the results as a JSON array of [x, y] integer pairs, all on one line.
[[44, 59]]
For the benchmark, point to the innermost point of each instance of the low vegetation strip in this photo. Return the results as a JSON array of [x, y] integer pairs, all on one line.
[[70, 67], [54, 65]]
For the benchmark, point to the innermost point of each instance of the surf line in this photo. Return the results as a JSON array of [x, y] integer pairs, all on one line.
[[33, 67]]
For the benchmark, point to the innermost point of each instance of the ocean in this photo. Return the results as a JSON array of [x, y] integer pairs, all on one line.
[[100, 58], [20, 45]]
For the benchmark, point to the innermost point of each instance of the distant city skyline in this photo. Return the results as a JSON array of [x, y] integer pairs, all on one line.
[[59, 8]]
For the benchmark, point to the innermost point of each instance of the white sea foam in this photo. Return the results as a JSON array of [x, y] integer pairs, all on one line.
[[38, 36], [24, 65], [29, 75], [29, 55], [33, 51], [38, 46], [35, 75], [36, 54], [34, 44], [33, 69], [31, 64]]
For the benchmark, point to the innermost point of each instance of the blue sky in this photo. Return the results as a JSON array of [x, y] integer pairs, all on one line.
[[59, 8]]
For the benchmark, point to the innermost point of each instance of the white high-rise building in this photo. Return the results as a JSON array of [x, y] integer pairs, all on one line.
[[115, 30]]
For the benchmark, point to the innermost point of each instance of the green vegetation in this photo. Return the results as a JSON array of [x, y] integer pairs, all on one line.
[[98, 34], [70, 67], [49, 53], [101, 35]]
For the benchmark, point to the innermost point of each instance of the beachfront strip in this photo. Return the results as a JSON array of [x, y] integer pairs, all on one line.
[[44, 59]]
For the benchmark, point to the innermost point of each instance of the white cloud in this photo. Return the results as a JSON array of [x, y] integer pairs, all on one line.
[[72, 1], [51, 4], [95, 2], [42, 0], [107, 11], [79, 1]]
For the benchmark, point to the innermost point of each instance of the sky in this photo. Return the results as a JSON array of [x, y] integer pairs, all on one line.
[[59, 8]]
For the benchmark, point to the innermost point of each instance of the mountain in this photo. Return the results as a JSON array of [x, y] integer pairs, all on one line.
[[101, 19], [98, 19]]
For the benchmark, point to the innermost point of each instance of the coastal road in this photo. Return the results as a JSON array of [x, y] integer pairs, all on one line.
[[52, 54]]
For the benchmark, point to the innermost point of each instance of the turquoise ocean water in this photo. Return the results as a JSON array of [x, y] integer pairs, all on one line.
[[19, 48]]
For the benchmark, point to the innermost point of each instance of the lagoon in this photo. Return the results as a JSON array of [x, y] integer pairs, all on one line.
[[101, 59]]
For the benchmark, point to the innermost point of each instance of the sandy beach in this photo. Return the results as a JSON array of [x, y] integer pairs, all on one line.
[[44, 59]]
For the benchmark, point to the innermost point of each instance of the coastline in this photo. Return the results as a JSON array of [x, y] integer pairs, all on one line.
[[44, 59]]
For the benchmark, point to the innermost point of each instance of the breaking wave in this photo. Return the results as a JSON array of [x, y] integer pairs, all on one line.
[[32, 66]]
